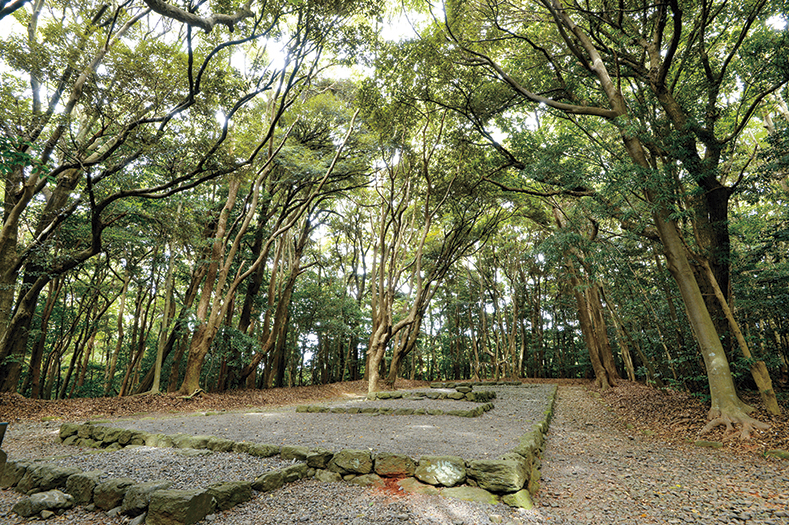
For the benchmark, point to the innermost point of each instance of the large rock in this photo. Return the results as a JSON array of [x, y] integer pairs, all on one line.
[[394, 465], [471, 494], [352, 462], [319, 458], [327, 476], [159, 441], [111, 434], [441, 470], [3, 459], [501, 476], [13, 472], [68, 430], [138, 496], [259, 449], [218, 444], [269, 481], [294, 452], [295, 472], [44, 477], [179, 507], [52, 501], [110, 493], [231, 493], [82, 484]]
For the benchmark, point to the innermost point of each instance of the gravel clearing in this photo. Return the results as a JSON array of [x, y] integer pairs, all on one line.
[[489, 436], [595, 471]]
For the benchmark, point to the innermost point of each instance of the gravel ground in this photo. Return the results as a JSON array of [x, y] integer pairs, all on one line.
[[489, 436], [594, 472]]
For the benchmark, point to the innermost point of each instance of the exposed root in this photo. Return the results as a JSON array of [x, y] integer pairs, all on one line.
[[718, 418]]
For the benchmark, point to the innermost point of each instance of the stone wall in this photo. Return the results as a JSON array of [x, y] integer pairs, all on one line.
[[511, 479]]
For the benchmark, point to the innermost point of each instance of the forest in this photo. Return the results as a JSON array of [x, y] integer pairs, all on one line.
[[222, 194]]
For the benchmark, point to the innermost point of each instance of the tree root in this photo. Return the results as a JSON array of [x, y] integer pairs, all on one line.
[[719, 418]]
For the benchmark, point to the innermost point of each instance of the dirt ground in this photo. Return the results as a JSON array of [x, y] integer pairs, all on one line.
[[669, 415]]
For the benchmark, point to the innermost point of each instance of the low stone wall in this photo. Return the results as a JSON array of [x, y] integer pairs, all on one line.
[[511, 479]]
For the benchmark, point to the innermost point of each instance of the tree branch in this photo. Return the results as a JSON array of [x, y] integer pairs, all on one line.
[[204, 23]]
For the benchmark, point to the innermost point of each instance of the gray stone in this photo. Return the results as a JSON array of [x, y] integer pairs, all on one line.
[[441, 470], [12, 472], [52, 500], [294, 472], [471, 494], [352, 462], [319, 458], [81, 486], [110, 493], [262, 450], [85, 431], [520, 499], [44, 477], [327, 476], [269, 481], [412, 485], [158, 440], [138, 496], [139, 520], [230, 493], [220, 444], [298, 453], [111, 434], [369, 480], [179, 507], [394, 465], [67, 430]]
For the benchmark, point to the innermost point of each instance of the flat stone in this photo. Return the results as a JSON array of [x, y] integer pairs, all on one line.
[[352, 462], [414, 486], [82, 484], [52, 500], [297, 453], [110, 493], [269, 481], [327, 476], [499, 476], [394, 465], [179, 507], [369, 480], [441, 470], [319, 458], [231, 493], [471, 494], [520, 499], [138, 496]]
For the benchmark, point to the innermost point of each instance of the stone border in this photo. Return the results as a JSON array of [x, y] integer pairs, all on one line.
[[482, 396], [387, 411], [512, 479]]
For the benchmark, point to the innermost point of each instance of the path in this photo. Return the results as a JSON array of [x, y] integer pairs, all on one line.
[[597, 472]]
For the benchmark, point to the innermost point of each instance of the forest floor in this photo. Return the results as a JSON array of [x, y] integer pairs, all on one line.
[[624, 457], [669, 415]]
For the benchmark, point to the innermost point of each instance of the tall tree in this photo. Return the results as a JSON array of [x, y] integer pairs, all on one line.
[[663, 77]]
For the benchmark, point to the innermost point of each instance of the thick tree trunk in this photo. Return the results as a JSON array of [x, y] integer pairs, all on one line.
[[726, 408]]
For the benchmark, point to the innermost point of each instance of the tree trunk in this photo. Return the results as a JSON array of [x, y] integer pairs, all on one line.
[[109, 373]]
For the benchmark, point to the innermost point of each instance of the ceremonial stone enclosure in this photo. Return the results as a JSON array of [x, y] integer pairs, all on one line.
[[510, 478]]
